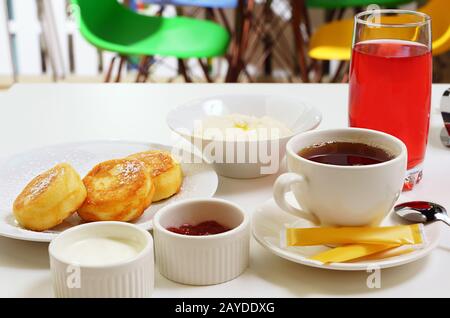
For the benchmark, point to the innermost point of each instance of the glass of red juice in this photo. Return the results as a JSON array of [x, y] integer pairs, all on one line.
[[390, 80]]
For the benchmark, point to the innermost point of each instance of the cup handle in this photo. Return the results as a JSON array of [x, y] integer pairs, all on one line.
[[281, 187]]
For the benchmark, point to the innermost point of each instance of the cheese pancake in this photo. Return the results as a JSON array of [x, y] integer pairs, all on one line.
[[117, 190], [165, 171], [49, 198]]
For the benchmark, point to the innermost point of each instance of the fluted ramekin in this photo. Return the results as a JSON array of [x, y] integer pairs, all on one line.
[[202, 260], [133, 277]]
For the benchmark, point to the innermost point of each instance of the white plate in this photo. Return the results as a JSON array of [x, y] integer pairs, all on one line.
[[269, 220], [200, 180]]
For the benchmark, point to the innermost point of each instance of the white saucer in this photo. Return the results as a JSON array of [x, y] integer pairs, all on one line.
[[200, 180], [269, 220]]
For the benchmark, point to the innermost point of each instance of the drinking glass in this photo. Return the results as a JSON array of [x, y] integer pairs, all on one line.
[[390, 79]]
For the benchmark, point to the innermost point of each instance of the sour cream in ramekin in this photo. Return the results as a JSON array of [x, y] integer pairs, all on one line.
[[102, 259]]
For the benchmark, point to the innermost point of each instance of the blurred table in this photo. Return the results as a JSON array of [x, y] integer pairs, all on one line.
[[38, 115]]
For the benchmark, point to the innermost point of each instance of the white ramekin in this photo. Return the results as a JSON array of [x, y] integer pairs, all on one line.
[[202, 260], [130, 278]]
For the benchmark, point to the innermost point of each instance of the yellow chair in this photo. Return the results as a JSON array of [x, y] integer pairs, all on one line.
[[439, 11], [333, 41]]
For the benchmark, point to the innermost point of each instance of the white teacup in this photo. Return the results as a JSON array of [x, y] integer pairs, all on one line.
[[342, 195]]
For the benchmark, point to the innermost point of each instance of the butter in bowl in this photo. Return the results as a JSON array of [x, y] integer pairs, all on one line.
[[201, 241], [102, 260]]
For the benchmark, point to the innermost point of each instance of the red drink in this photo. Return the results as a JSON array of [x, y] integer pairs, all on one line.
[[390, 91]]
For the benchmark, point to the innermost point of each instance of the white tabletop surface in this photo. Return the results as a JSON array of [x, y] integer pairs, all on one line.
[[38, 115]]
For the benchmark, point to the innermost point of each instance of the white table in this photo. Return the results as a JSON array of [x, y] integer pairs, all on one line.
[[37, 115]]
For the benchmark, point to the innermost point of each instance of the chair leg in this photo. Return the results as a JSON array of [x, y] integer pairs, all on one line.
[[343, 68], [267, 39], [143, 69], [232, 59], [119, 71], [342, 65], [357, 10], [346, 76], [249, 77], [205, 70], [243, 45], [238, 46], [110, 68], [318, 71], [224, 20], [307, 18], [268, 47], [296, 22], [183, 70], [329, 14], [340, 14]]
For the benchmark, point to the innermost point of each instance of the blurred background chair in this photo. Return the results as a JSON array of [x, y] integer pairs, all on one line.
[[333, 41], [111, 26], [335, 9], [213, 10], [196, 3]]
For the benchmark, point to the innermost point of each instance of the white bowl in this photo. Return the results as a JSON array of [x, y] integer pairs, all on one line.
[[132, 277], [296, 114], [202, 260]]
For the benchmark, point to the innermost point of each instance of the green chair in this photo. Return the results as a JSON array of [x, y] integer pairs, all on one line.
[[110, 26], [335, 9], [334, 4]]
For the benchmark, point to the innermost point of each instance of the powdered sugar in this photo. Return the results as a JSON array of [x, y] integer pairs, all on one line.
[[43, 183], [129, 170]]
